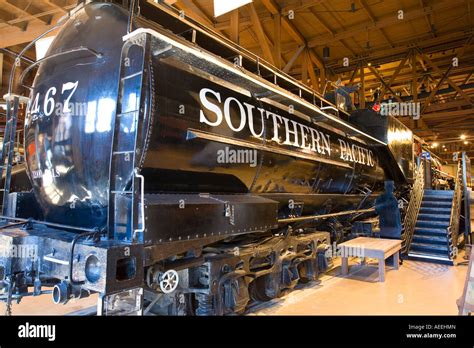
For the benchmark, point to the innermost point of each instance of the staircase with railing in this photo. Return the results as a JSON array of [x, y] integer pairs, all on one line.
[[436, 230]]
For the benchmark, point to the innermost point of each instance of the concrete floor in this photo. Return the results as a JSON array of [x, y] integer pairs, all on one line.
[[43, 305], [416, 288]]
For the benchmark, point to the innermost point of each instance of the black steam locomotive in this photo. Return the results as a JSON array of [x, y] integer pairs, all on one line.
[[174, 171]]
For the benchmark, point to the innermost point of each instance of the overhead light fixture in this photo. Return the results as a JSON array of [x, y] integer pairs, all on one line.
[[369, 64], [434, 145], [465, 143], [463, 136], [326, 52], [224, 6]]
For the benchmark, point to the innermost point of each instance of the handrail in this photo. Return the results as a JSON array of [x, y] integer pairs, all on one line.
[[55, 55], [453, 228], [416, 196]]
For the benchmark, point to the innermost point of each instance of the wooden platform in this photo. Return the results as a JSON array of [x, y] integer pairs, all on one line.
[[377, 248]]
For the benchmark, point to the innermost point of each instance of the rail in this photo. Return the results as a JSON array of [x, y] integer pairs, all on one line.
[[325, 216], [416, 196], [453, 228], [8, 148]]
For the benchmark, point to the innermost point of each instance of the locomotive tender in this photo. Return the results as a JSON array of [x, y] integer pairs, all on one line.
[[129, 114]]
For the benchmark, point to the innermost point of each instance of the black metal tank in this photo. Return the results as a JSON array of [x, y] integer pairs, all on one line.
[[194, 122]]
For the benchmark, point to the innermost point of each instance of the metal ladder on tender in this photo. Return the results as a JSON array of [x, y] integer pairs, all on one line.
[[8, 146], [126, 219]]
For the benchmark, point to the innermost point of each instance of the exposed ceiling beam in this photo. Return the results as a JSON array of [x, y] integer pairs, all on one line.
[[293, 59], [56, 6], [376, 73], [405, 76], [312, 75], [440, 116], [428, 21], [192, 10], [465, 82], [367, 10], [395, 74], [300, 6], [290, 28], [15, 36], [435, 90], [382, 55], [234, 26], [20, 10], [329, 30], [277, 40], [384, 22], [450, 82], [243, 21], [304, 66], [27, 19], [262, 38], [447, 105]]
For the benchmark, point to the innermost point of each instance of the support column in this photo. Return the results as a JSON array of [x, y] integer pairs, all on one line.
[[414, 85], [362, 88], [234, 26], [277, 39]]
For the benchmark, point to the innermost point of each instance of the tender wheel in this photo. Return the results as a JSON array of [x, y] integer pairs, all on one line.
[[258, 290], [169, 281]]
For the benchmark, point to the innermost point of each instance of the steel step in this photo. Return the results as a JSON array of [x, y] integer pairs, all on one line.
[[431, 248], [438, 193], [427, 239], [432, 224], [437, 199], [436, 204], [426, 231], [430, 257], [437, 210], [434, 217]]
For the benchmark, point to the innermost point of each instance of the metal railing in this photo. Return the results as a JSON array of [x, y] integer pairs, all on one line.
[[453, 228], [8, 150], [416, 196]]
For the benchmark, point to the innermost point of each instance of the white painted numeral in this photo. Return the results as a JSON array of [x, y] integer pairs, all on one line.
[[35, 108], [49, 101], [67, 87]]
